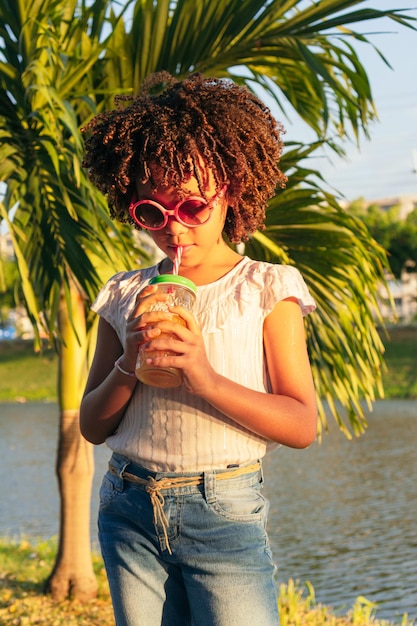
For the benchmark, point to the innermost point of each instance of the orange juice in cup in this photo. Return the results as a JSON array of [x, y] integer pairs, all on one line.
[[181, 292]]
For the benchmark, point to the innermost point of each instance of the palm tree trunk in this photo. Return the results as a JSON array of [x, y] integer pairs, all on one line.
[[73, 575]]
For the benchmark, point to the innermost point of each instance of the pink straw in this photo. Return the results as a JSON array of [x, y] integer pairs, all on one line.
[[177, 261]]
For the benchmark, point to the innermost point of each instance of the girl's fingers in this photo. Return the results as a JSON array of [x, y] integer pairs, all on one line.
[[188, 317], [145, 298], [150, 318], [160, 327]]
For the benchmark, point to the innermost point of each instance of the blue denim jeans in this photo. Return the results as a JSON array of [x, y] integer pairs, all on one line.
[[217, 568]]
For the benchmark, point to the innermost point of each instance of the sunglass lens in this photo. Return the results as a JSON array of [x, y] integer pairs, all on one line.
[[149, 216], [194, 212]]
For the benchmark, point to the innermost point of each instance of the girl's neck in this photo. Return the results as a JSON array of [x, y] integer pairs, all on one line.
[[206, 273]]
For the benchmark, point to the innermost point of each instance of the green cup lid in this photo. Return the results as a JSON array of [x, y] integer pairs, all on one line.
[[173, 280]]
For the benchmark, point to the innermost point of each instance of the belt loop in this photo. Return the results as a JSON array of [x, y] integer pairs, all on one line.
[[122, 470], [210, 487], [261, 472]]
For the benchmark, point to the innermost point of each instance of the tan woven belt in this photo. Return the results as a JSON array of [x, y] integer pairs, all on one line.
[[154, 487]]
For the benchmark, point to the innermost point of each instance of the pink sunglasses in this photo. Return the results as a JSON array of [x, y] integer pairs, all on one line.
[[191, 212]]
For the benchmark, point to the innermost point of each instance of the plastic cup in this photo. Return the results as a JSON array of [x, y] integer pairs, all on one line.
[[181, 292]]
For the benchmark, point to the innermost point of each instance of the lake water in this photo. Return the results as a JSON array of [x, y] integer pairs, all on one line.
[[343, 513]]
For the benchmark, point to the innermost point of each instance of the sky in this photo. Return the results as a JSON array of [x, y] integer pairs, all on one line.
[[382, 167]]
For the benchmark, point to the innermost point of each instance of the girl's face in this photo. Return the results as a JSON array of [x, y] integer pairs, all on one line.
[[201, 244]]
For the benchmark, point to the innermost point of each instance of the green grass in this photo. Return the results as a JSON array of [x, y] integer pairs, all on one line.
[[25, 566], [26, 376], [24, 569], [400, 380]]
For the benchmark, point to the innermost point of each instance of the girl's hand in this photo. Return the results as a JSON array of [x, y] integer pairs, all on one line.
[[188, 344], [142, 324]]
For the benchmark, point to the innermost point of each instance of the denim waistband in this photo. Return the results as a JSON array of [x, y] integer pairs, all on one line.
[[124, 465], [154, 483]]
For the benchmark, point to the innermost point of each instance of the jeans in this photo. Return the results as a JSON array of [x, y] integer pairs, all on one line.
[[210, 566]]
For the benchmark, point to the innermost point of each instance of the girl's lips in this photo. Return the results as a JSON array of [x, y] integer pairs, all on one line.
[[184, 248]]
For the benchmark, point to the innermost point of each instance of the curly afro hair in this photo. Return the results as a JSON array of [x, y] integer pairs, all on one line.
[[173, 124]]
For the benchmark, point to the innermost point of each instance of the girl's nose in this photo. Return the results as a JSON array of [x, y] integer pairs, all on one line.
[[174, 227]]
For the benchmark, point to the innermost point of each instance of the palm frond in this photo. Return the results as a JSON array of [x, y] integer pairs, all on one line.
[[303, 49], [343, 267], [60, 224]]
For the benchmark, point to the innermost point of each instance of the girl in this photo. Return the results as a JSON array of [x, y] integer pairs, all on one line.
[[182, 517]]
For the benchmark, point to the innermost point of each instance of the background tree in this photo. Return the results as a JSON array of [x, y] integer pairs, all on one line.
[[405, 248], [59, 63], [396, 234]]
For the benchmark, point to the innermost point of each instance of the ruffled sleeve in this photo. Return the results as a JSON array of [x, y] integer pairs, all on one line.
[[251, 289], [285, 281], [107, 297], [118, 296]]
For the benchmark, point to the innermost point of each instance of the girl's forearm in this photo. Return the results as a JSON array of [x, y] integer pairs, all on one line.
[[103, 407], [280, 418]]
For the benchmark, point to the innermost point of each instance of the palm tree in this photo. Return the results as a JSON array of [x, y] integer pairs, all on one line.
[[59, 64], [64, 241]]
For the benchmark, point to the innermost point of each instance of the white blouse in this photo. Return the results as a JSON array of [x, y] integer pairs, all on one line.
[[171, 430]]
